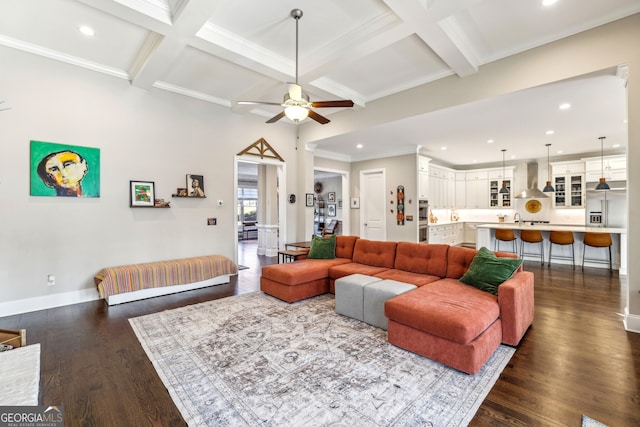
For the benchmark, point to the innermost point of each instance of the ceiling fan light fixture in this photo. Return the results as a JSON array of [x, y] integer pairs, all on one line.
[[296, 113]]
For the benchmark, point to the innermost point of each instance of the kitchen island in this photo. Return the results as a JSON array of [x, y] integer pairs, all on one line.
[[485, 236]]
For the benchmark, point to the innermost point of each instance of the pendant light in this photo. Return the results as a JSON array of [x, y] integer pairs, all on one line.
[[504, 189], [602, 185], [548, 188]]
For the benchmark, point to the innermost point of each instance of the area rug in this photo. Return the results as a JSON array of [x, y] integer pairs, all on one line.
[[590, 422], [254, 360], [20, 376]]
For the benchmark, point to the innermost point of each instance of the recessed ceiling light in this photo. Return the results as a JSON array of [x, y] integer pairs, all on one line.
[[86, 30], [475, 161], [616, 145], [625, 121], [559, 151], [513, 156], [550, 132], [359, 146], [443, 148], [564, 106], [490, 141], [549, 2]]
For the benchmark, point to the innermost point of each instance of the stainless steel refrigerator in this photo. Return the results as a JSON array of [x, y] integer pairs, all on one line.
[[607, 208]]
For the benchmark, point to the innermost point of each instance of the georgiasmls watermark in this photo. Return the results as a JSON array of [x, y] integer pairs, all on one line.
[[31, 416]]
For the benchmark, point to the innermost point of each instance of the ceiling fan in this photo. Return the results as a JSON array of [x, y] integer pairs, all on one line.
[[296, 103]]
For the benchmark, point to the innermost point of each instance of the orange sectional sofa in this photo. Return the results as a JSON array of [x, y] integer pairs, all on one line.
[[443, 319]]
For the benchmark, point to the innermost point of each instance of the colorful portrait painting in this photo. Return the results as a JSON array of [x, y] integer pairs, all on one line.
[[64, 170]]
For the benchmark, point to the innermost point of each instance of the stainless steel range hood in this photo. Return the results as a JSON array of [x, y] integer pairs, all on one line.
[[532, 191]]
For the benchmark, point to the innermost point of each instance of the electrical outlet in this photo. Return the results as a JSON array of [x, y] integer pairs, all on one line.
[[51, 280]]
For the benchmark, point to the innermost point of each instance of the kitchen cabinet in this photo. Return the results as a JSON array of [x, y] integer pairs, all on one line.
[[477, 189], [441, 187], [614, 168], [460, 190], [449, 234], [496, 179], [569, 183], [423, 178]]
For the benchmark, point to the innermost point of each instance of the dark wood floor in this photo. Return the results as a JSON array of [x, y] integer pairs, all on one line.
[[576, 358]]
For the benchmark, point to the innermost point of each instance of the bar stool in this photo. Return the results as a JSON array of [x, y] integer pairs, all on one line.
[[532, 236], [505, 235], [597, 240], [562, 238]]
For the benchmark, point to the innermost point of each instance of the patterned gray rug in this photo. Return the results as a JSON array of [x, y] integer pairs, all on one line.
[[257, 361]]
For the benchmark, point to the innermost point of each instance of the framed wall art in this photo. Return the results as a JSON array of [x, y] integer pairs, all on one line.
[[64, 170], [195, 185], [331, 196], [331, 209], [355, 203], [142, 194], [309, 199]]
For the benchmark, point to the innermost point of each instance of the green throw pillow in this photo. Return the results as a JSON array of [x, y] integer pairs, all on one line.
[[322, 248], [487, 271]]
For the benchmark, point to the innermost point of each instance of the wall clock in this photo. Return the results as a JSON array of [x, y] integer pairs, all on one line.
[[317, 187], [533, 206]]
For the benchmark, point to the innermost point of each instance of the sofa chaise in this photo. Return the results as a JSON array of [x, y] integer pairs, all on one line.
[[443, 319]]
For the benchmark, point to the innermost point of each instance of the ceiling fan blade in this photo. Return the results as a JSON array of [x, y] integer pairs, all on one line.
[[257, 103], [339, 103], [295, 91], [318, 118], [276, 117]]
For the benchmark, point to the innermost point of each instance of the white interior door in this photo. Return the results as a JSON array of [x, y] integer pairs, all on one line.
[[372, 206]]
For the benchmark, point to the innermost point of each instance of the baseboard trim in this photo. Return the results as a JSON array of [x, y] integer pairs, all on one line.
[[631, 322], [165, 290], [44, 302]]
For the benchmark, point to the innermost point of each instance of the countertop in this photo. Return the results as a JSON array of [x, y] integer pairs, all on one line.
[[553, 227]]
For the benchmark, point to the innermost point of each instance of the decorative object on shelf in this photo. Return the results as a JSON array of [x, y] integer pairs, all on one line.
[[292, 198], [504, 189], [180, 192], [160, 203], [602, 185], [548, 188], [142, 194], [355, 203], [309, 201], [409, 217], [331, 197], [400, 198], [533, 206], [501, 217], [331, 209], [454, 216], [64, 170], [317, 187], [196, 184]]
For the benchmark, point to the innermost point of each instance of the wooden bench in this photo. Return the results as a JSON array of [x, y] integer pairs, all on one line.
[[138, 281]]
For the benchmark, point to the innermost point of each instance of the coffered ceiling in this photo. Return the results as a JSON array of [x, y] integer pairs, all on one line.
[[222, 51]]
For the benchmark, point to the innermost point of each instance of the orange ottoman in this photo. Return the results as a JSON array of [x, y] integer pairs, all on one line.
[[447, 321]]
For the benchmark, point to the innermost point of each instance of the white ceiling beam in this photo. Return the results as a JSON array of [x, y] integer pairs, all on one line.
[[454, 51]]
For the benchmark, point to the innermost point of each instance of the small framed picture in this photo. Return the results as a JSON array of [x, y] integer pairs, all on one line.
[[142, 194], [309, 199], [331, 197], [340, 204], [195, 185], [355, 203], [331, 209]]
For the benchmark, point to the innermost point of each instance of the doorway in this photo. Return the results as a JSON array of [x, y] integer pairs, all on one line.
[[331, 213]]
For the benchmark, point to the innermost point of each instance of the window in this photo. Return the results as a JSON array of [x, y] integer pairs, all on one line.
[[247, 202]]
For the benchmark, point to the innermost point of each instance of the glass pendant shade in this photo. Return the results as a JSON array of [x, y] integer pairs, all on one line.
[[602, 185], [548, 188], [296, 113], [504, 189]]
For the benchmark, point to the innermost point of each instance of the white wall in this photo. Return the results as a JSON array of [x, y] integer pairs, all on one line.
[[142, 135]]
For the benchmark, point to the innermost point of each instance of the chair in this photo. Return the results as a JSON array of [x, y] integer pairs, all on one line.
[[532, 236], [597, 240], [505, 235], [330, 228], [562, 238]]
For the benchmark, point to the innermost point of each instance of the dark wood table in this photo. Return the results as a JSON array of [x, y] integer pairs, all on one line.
[[290, 255], [302, 245]]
